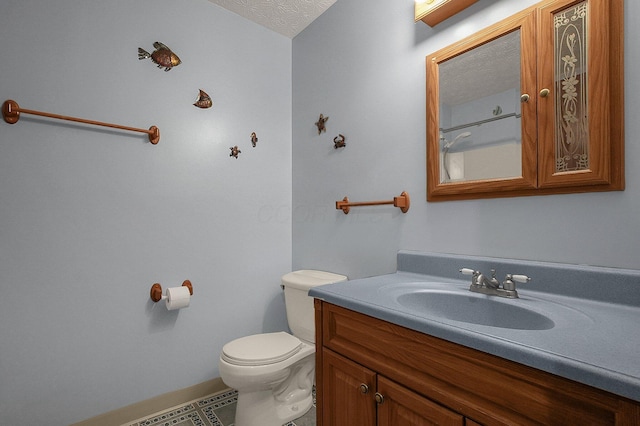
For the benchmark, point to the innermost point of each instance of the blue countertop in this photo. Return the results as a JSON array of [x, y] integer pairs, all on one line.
[[594, 339]]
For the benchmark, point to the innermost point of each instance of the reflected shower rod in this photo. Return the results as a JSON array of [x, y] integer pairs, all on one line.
[[477, 123]]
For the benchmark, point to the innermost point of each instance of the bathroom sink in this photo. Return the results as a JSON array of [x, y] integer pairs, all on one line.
[[471, 308]]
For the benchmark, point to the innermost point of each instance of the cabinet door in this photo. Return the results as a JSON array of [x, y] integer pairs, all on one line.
[[463, 81], [578, 98], [402, 407], [348, 394]]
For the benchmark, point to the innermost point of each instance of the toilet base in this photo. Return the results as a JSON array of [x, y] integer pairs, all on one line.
[[290, 399], [259, 409]]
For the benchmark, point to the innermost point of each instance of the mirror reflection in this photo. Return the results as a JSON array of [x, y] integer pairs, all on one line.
[[479, 109]]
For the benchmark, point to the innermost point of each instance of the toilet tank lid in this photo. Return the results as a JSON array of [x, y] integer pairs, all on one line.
[[304, 279]]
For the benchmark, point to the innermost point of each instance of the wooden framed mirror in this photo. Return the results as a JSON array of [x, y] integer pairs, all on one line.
[[532, 105]]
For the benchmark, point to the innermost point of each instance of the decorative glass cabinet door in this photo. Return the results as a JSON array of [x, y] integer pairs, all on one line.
[[580, 116]]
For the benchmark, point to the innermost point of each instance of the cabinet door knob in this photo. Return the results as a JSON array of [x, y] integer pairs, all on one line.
[[379, 398], [364, 388], [524, 97], [544, 93]]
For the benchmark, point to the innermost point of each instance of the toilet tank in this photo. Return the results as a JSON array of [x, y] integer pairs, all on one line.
[[299, 305]]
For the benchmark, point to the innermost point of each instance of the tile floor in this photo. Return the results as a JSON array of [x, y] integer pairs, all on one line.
[[218, 409]]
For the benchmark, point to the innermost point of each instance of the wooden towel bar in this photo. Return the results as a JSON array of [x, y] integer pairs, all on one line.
[[11, 114], [402, 202]]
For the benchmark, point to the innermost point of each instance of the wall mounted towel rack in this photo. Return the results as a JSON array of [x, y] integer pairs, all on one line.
[[11, 114], [402, 202]]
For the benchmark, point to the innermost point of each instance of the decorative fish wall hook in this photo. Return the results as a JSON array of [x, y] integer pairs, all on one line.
[[254, 139], [339, 141], [203, 100], [162, 56], [234, 151], [320, 123]]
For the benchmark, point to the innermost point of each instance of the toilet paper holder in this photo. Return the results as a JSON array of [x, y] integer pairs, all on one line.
[[156, 290]]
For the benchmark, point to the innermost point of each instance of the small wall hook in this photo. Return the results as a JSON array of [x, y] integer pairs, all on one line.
[[254, 139], [156, 290]]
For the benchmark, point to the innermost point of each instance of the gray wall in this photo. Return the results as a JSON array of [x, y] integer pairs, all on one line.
[[362, 63], [90, 218]]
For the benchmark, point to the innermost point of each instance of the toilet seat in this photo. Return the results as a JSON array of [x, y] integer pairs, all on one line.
[[261, 349]]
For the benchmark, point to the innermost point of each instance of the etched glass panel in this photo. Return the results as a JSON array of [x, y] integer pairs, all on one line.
[[571, 121]]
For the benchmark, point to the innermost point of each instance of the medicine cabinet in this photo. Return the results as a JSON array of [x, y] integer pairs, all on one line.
[[532, 105]]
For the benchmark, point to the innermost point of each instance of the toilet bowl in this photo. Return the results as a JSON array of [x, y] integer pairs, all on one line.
[[273, 390], [274, 373]]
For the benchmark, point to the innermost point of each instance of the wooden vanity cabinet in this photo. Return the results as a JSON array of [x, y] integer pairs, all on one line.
[[370, 372]]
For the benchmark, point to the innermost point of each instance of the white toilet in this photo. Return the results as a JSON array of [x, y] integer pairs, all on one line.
[[274, 372]]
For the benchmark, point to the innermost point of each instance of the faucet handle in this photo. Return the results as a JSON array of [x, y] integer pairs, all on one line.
[[520, 278], [475, 275], [509, 282]]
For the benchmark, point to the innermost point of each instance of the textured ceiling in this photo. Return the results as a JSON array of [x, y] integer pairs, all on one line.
[[486, 70], [287, 17]]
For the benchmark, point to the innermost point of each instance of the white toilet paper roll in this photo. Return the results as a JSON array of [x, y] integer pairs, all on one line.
[[177, 297]]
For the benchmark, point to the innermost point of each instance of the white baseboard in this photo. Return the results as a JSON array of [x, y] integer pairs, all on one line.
[[155, 404]]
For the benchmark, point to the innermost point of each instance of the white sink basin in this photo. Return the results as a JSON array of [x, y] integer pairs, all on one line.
[[453, 303], [475, 309]]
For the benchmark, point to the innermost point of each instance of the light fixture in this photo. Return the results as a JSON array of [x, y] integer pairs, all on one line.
[[432, 12]]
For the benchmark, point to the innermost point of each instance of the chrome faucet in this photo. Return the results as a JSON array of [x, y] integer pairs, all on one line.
[[491, 286]]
